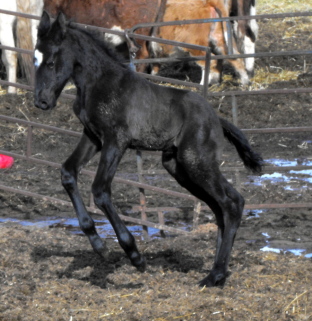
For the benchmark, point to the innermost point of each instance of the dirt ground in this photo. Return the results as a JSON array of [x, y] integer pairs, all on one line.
[[49, 273]]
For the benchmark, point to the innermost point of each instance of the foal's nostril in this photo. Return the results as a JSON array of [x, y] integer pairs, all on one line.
[[42, 104]]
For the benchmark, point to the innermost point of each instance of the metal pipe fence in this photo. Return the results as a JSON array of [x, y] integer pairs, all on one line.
[[140, 184], [142, 207]]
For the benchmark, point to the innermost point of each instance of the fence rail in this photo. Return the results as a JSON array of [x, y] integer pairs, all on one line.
[[140, 184]]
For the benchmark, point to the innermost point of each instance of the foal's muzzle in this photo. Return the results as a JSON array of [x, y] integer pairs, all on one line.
[[43, 102]]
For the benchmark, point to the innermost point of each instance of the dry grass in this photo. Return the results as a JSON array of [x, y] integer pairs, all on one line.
[[272, 7], [263, 78], [266, 76]]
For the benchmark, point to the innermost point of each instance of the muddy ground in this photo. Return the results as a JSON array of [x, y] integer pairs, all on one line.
[[50, 273]]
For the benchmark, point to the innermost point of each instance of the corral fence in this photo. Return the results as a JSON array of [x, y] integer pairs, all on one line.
[[140, 184]]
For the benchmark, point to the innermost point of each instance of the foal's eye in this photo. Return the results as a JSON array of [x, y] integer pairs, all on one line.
[[50, 64]]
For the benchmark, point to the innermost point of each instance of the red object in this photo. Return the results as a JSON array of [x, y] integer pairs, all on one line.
[[6, 161]]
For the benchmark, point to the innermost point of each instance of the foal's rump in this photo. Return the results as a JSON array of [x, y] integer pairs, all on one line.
[[203, 132]]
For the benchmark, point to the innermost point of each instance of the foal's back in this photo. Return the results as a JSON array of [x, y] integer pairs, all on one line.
[[161, 116]]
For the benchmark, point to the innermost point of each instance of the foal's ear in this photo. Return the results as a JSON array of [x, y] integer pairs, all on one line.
[[58, 29], [44, 25]]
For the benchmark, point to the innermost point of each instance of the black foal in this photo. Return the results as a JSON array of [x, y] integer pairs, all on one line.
[[120, 110]]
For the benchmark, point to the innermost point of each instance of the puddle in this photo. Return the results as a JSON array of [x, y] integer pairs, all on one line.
[[253, 213], [293, 180], [298, 252], [285, 162], [103, 227], [105, 231], [286, 179], [283, 248]]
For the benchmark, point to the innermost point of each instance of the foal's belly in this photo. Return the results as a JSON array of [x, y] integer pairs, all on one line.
[[152, 142]]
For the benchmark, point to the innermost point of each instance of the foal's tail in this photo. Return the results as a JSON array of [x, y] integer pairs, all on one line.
[[235, 136]]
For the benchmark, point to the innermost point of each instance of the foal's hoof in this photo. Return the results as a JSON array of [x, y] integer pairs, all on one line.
[[103, 251], [212, 280], [99, 247], [140, 264]]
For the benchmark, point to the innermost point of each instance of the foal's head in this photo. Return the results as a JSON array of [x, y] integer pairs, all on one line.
[[64, 51], [53, 61]]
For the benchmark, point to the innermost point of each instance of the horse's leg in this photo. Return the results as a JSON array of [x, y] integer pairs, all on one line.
[[101, 188], [36, 7], [205, 181], [249, 45], [215, 72], [85, 150], [9, 57]]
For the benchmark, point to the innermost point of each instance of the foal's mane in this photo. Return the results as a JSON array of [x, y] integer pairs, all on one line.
[[97, 37]]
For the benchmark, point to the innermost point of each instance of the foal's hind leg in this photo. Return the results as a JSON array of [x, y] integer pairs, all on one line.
[[207, 183], [85, 150], [227, 204]]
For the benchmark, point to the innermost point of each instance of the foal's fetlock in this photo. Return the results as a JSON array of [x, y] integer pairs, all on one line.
[[68, 179]]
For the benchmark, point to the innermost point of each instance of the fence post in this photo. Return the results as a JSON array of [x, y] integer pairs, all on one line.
[[207, 71], [234, 110], [229, 37], [142, 193], [162, 222], [29, 141], [238, 181], [197, 209], [91, 202]]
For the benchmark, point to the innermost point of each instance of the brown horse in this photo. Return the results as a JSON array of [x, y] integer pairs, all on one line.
[[204, 34], [112, 14], [125, 14]]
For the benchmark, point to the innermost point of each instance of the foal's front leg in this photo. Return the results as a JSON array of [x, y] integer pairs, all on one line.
[[85, 150], [101, 188]]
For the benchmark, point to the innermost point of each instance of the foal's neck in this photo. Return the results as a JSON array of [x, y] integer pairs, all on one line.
[[96, 68]]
